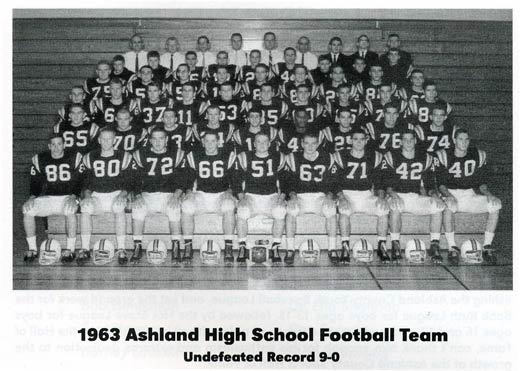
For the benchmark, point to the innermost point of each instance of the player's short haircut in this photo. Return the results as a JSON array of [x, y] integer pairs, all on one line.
[[155, 84], [210, 132], [335, 38], [269, 33], [360, 59], [222, 67], [107, 129], [460, 131], [255, 51], [262, 65], [55, 135], [429, 83], [301, 66], [169, 109], [213, 107], [226, 83], [255, 110], [393, 35], [377, 64], [409, 131], [77, 105], [223, 52], [144, 67], [123, 110], [439, 107], [390, 105], [416, 70], [323, 58], [393, 50], [303, 86], [236, 34], [116, 81], [311, 134], [299, 110], [102, 62], [153, 54], [203, 37], [191, 84], [118, 58], [385, 83], [183, 65], [338, 66], [344, 109], [190, 52], [357, 130], [362, 36], [77, 87], [267, 84], [343, 85], [289, 48], [158, 129], [262, 134]]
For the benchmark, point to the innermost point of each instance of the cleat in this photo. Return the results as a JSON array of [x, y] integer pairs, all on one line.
[[30, 255], [122, 257], [274, 254], [138, 252], [243, 253], [176, 252], [344, 256], [333, 257], [289, 257], [454, 255], [382, 253], [396, 251], [489, 255], [187, 254], [228, 254], [435, 252], [67, 256], [83, 256]]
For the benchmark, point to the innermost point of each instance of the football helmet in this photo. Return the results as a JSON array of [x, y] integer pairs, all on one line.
[[363, 251], [310, 251], [210, 252], [103, 252], [156, 252], [415, 251], [471, 252], [50, 252], [259, 252]]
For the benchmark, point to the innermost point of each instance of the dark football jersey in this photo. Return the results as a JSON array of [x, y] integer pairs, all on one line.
[[95, 89], [234, 72], [244, 138], [130, 139], [108, 174], [291, 140], [251, 90], [356, 109], [319, 77], [247, 73], [174, 89], [315, 110], [260, 175], [178, 138], [282, 73], [224, 133], [82, 138], [337, 139], [212, 173], [161, 73], [359, 174], [367, 90], [289, 90], [461, 172], [211, 89], [159, 172], [232, 111], [149, 113], [272, 114], [124, 76], [328, 92], [104, 110], [409, 175], [374, 109], [137, 88], [384, 138], [407, 93], [190, 114], [310, 176], [197, 74], [421, 109], [431, 140], [56, 177], [64, 113]]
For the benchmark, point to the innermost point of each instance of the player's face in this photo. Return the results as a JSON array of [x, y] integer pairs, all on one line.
[[187, 93], [254, 58], [337, 74], [213, 116], [417, 79], [153, 93], [376, 73], [303, 94], [262, 144], [260, 74], [191, 60], [438, 117], [359, 65], [310, 145], [210, 143], [345, 119], [154, 62], [300, 75], [270, 42], [106, 140], [408, 142], [359, 141], [146, 74], [158, 141], [236, 42], [116, 91], [325, 66], [226, 92], [391, 116], [344, 94], [77, 115], [172, 46], [290, 56], [123, 120], [57, 147], [394, 42], [77, 95], [304, 45], [169, 118], [222, 75], [266, 93], [430, 92], [183, 73], [462, 142], [203, 44], [386, 93], [301, 119], [103, 71], [137, 43], [363, 42], [393, 57], [336, 46], [222, 59], [255, 119], [118, 66]]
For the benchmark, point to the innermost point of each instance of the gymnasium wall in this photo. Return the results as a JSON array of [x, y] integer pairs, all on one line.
[[471, 62]]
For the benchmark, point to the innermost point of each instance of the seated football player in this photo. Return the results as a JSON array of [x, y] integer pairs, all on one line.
[[139, 82], [411, 189], [312, 106], [107, 182], [328, 90], [150, 110], [251, 88], [244, 136], [462, 170], [360, 190], [437, 135], [370, 89], [190, 110], [104, 109], [76, 96], [310, 186], [119, 70], [260, 193], [339, 134], [421, 107], [322, 73], [79, 135], [232, 108], [54, 188], [223, 61], [197, 73], [177, 136], [99, 86], [274, 109], [223, 129], [359, 72], [289, 89], [213, 179], [182, 75], [159, 189], [290, 134], [395, 71], [284, 71], [374, 107], [212, 86], [247, 73], [160, 73], [128, 136], [386, 136], [345, 99], [414, 88]]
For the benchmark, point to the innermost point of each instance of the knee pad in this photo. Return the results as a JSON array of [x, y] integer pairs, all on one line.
[[173, 214], [494, 208], [293, 209], [87, 208], [227, 205], [279, 212], [188, 206], [118, 208], [328, 210]]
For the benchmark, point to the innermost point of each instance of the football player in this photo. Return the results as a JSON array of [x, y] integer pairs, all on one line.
[[411, 189], [360, 190], [189, 111], [76, 96], [197, 72], [247, 73], [108, 180], [177, 136], [421, 107], [310, 186], [387, 136], [150, 110], [54, 189], [301, 77], [359, 72], [223, 129], [119, 70], [284, 71], [313, 107], [212, 86], [232, 108], [395, 71], [274, 110], [104, 109], [159, 189], [322, 73], [415, 87], [98, 86], [223, 61], [439, 134], [174, 88], [345, 100], [290, 135], [328, 90], [212, 169], [370, 89], [252, 88], [160, 73], [79, 135], [394, 41], [138, 84], [260, 193], [339, 134], [462, 170], [374, 107], [244, 137], [128, 136]]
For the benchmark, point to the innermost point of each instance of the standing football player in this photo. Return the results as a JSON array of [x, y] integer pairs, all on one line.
[[99, 86], [104, 109], [232, 108], [247, 73], [174, 88], [284, 71], [274, 110], [370, 89], [150, 110], [160, 73], [128, 136], [139, 82], [119, 70], [322, 73], [177, 136], [197, 73], [244, 136], [189, 111], [76, 96], [79, 135], [439, 134], [223, 129], [421, 108]]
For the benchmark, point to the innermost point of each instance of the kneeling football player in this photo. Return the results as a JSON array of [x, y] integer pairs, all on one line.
[[108, 180], [310, 185], [411, 189], [361, 190], [212, 183], [260, 193], [54, 190], [159, 189], [461, 171]]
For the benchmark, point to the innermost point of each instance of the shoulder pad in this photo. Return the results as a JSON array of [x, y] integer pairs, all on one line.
[[36, 162], [388, 158], [137, 157], [242, 160], [86, 160], [291, 163], [78, 160], [443, 157], [378, 158], [127, 160], [482, 157], [179, 157]]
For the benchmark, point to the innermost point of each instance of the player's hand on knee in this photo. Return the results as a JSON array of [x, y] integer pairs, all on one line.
[[437, 201], [174, 202], [494, 201], [382, 204], [344, 205], [120, 201], [292, 206], [86, 202], [28, 205], [137, 202], [451, 202], [71, 205], [395, 202]]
